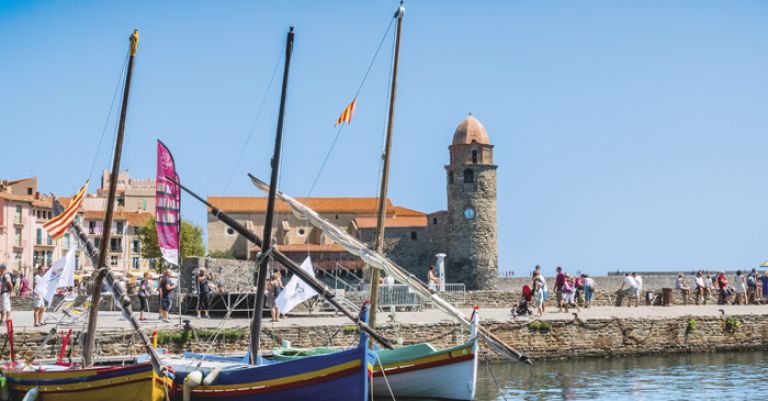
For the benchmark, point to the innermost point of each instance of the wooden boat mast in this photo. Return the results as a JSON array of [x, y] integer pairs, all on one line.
[[382, 210], [266, 245], [102, 267], [117, 291]]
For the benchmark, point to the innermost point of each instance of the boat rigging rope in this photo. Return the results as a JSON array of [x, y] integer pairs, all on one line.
[[384, 375], [341, 126], [256, 120], [493, 376], [109, 115]]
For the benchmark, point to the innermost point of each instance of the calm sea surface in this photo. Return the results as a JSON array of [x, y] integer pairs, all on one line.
[[727, 376]]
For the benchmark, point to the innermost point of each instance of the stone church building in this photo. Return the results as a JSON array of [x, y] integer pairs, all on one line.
[[465, 232]]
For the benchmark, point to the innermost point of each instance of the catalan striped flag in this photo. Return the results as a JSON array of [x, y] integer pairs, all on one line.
[[58, 225], [346, 115]]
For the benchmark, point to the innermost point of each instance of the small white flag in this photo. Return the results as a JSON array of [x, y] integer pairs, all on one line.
[[62, 274], [296, 291]]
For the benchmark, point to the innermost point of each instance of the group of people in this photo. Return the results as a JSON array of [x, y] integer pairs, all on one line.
[[9, 287], [634, 287], [570, 290], [751, 288]]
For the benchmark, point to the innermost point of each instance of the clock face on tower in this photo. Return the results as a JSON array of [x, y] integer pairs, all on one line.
[[469, 213]]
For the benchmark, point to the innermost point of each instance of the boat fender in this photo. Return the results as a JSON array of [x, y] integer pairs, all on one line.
[[211, 377], [31, 395], [192, 380], [4, 396]]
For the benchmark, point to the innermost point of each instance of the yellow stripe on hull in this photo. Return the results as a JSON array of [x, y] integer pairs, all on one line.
[[137, 387]]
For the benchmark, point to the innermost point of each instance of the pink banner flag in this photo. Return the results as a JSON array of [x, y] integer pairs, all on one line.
[[167, 206]]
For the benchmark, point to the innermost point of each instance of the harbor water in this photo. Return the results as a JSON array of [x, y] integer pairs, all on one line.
[[714, 376]]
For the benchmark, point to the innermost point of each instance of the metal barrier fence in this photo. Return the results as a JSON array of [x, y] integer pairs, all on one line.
[[400, 296]]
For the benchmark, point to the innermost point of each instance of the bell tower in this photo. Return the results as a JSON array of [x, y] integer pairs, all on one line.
[[472, 245]]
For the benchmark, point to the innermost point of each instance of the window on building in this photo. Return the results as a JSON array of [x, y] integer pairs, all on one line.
[[136, 230], [230, 231], [434, 220], [120, 226], [35, 258], [113, 261], [414, 236], [121, 200], [91, 227], [50, 240], [135, 248], [474, 157], [97, 243], [29, 191], [17, 237], [17, 260], [469, 176], [17, 216], [135, 263], [450, 177], [115, 244], [49, 259], [67, 244], [77, 260], [39, 237]]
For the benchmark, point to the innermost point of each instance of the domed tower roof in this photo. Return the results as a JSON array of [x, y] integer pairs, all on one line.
[[470, 130]]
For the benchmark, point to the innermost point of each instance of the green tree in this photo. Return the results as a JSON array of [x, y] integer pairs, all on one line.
[[191, 241]]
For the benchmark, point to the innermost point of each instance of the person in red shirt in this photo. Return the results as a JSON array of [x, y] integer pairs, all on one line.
[[722, 284], [559, 282]]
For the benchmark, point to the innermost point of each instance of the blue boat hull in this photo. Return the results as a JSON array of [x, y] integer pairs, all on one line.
[[341, 376]]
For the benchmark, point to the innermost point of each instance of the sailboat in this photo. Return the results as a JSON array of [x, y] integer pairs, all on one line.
[[62, 382], [338, 376], [418, 370]]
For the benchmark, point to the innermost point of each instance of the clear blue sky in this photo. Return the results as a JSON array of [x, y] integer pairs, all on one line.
[[628, 134]]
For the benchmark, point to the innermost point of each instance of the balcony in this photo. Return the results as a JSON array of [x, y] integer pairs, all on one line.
[[44, 245], [19, 222], [115, 250], [22, 244]]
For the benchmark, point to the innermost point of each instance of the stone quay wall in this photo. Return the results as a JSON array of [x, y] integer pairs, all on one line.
[[567, 338]]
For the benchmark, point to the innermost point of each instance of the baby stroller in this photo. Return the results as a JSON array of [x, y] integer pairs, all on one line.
[[521, 306]]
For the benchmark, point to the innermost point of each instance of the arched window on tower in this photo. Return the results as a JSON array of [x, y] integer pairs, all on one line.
[[474, 157], [450, 177], [469, 176]]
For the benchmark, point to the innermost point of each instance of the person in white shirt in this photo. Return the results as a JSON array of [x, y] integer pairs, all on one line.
[[39, 303], [685, 291], [701, 285], [741, 288], [632, 293], [639, 281]]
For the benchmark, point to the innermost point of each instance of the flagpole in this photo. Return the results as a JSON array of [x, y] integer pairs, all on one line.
[[101, 268], [178, 257]]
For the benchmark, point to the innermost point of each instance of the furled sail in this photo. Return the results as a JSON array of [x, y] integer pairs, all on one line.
[[357, 248]]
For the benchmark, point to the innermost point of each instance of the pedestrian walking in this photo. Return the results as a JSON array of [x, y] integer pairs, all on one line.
[[38, 307], [166, 289], [539, 288], [559, 282], [145, 291], [25, 289], [202, 283], [6, 289], [589, 289]]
